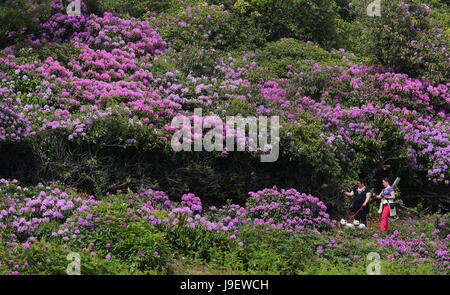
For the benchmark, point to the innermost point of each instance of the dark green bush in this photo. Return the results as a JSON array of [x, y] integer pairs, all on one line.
[[131, 238], [306, 20], [18, 20], [290, 55], [135, 8], [49, 258], [276, 251], [197, 61], [23, 19]]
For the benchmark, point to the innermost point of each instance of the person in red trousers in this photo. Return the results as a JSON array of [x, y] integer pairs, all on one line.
[[361, 196], [387, 195]]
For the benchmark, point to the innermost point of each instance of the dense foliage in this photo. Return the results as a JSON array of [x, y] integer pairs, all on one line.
[[138, 232]]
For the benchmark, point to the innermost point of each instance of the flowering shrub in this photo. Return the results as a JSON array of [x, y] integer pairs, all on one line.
[[133, 226], [18, 19], [49, 258], [88, 100], [24, 210], [113, 229], [105, 68], [122, 70], [414, 253], [110, 32], [137, 230], [417, 247], [288, 209], [203, 25], [31, 20]]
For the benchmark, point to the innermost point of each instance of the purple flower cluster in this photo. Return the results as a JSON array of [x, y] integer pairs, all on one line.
[[115, 69], [286, 209], [30, 213], [13, 124], [203, 24], [113, 33], [103, 70], [408, 37], [23, 211], [349, 112]]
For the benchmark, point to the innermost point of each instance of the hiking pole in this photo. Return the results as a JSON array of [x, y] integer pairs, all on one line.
[[396, 181]]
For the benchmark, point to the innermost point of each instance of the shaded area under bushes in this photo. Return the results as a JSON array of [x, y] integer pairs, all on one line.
[[97, 170]]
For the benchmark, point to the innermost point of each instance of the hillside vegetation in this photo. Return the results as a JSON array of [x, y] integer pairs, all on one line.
[[86, 157]]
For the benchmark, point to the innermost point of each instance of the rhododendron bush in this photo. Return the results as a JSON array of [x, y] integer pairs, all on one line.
[[105, 228], [407, 38], [101, 226]]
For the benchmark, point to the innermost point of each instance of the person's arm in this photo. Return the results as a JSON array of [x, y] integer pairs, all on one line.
[[392, 196], [349, 194], [367, 199]]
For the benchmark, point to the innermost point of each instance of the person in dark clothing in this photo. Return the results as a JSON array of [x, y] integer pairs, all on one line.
[[361, 197]]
